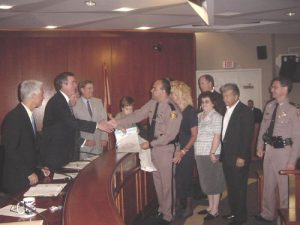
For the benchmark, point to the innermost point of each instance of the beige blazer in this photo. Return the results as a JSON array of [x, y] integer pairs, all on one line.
[[81, 112]]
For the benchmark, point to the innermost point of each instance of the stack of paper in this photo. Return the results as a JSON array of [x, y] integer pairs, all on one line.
[[127, 141], [47, 190], [145, 158], [78, 165]]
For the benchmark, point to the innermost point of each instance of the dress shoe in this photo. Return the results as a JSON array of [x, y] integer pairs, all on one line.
[[228, 217], [211, 216], [261, 219], [203, 212]]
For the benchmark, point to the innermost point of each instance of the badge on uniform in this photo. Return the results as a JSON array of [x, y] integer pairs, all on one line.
[[282, 115], [173, 115]]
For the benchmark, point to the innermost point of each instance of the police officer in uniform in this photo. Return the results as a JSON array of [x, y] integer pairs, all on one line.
[[164, 119], [280, 133]]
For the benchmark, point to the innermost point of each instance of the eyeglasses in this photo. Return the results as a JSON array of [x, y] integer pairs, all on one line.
[[206, 102]]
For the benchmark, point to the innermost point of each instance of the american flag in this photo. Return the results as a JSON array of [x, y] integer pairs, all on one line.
[[107, 98]]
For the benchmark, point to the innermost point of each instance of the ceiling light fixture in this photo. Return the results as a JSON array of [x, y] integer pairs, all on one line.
[[200, 6], [124, 9], [50, 27], [144, 28], [291, 14], [90, 3], [6, 6]]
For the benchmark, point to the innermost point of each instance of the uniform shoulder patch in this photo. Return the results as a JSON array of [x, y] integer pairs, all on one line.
[[173, 114]]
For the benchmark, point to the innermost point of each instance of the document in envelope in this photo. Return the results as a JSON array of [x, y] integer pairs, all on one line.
[[129, 141], [145, 159]]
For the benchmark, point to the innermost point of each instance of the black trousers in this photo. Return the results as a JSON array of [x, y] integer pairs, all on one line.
[[237, 182], [184, 176]]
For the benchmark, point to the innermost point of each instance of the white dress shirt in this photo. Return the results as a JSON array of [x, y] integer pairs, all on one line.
[[227, 118]]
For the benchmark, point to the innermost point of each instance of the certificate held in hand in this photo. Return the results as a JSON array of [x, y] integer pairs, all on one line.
[[127, 141]]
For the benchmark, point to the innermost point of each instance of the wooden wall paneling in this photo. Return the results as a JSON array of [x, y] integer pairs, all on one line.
[[87, 56], [131, 61], [10, 74], [42, 59]]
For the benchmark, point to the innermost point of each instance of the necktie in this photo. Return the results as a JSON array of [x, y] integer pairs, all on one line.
[[152, 125], [272, 124], [89, 108], [71, 107], [33, 125]]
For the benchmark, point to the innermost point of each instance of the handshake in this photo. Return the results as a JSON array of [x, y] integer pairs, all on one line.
[[107, 126]]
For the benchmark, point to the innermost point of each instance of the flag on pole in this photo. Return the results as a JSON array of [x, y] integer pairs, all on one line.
[[107, 98]]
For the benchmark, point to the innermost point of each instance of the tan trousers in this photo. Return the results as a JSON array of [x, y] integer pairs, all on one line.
[[275, 160], [164, 176]]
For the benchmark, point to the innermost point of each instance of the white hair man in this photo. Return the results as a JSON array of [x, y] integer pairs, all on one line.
[[19, 139]]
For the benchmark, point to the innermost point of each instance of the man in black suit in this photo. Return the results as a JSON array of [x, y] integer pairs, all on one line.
[[60, 126], [206, 83], [237, 133], [19, 140], [257, 115]]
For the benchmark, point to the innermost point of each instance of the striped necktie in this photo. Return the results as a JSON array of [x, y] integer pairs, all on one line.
[[89, 108], [33, 125]]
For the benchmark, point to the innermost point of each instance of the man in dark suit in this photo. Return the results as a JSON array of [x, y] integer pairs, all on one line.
[[206, 83], [237, 133], [60, 126], [257, 115], [19, 140]]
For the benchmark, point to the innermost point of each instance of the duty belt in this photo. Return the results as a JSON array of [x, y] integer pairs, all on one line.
[[279, 142]]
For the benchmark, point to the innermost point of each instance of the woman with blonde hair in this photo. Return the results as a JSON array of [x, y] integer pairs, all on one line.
[[184, 157]]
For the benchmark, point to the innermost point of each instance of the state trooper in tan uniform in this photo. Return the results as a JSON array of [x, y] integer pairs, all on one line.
[[282, 146], [167, 123]]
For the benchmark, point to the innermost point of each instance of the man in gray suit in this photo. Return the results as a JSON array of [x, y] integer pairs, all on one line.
[[89, 108]]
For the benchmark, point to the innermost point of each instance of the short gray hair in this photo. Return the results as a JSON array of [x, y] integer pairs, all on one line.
[[28, 88], [230, 86]]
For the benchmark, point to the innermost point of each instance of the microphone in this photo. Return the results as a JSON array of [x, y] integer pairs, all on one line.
[[27, 207], [68, 177]]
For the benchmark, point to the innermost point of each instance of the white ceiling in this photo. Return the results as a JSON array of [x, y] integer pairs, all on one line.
[[255, 16]]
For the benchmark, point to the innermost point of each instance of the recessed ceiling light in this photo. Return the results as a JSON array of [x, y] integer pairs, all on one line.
[[228, 13], [144, 28], [291, 14], [124, 9], [90, 3], [6, 6], [51, 27]]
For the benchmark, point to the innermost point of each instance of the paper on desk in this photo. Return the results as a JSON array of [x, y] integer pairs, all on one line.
[[59, 176], [145, 159], [5, 211], [33, 222], [92, 158], [127, 142], [78, 165], [47, 190]]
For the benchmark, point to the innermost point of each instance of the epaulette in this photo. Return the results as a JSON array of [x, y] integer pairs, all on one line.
[[292, 103], [173, 113]]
